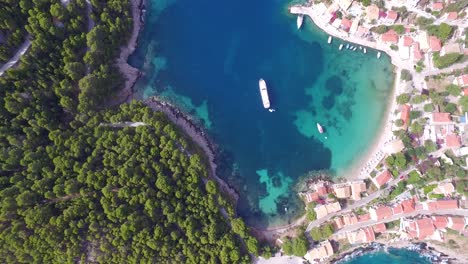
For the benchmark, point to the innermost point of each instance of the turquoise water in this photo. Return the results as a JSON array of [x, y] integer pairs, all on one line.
[[394, 256], [207, 56]]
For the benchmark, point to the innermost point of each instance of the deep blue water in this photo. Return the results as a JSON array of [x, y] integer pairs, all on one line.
[[394, 256], [207, 56]]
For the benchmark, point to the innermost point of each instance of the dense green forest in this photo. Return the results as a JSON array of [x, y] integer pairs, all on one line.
[[12, 31], [77, 183]]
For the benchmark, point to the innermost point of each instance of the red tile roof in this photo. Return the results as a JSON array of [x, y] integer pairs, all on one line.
[[440, 221], [405, 114], [408, 206], [407, 41], [392, 15], [346, 23], [435, 43], [339, 222], [379, 228], [458, 223], [443, 204], [425, 227], [452, 15], [383, 212], [370, 236], [465, 91], [441, 117], [364, 217], [417, 52], [398, 209], [463, 80], [383, 178], [452, 141], [312, 197], [322, 190], [437, 6], [390, 36]]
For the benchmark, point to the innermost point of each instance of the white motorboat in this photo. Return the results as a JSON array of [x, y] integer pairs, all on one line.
[[319, 128], [340, 47], [264, 93], [379, 54], [365, 50], [300, 19], [329, 39], [347, 46]]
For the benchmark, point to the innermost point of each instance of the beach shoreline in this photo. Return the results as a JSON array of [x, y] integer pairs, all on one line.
[[370, 158]]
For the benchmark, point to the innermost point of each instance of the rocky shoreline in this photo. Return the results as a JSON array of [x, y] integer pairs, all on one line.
[[131, 74], [197, 134], [422, 248]]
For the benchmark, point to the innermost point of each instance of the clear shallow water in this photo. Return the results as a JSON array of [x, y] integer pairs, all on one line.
[[207, 56], [394, 256]]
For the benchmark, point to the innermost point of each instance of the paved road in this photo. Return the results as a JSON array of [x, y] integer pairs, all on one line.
[[350, 228], [21, 51]]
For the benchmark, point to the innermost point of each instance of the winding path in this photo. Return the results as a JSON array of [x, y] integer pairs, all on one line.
[[19, 53]]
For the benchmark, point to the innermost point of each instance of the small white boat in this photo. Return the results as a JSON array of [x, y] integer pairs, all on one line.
[[355, 48], [340, 47], [319, 128], [264, 93], [360, 48], [329, 39], [365, 50], [300, 19], [379, 54], [271, 110], [347, 46]]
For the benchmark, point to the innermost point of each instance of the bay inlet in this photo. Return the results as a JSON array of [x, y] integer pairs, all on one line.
[[206, 57]]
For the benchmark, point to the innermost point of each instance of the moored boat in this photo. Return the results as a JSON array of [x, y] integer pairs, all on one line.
[[264, 93], [340, 47], [347, 46], [379, 54], [319, 128], [300, 19], [329, 39], [365, 50]]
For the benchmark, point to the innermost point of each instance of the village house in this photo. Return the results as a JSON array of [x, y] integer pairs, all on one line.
[[372, 13], [382, 179], [438, 6], [324, 210], [423, 40], [440, 205], [350, 219], [417, 54], [457, 223], [338, 221], [440, 118], [320, 187], [357, 188], [321, 252], [462, 80], [452, 141], [380, 213], [452, 16], [397, 209], [451, 48], [379, 228], [346, 24], [342, 191], [405, 115], [435, 44], [444, 188], [404, 47], [362, 31], [391, 17], [408, 206], [364, 235], [420, 229], [389, 37], [311, 197], [440, 222]]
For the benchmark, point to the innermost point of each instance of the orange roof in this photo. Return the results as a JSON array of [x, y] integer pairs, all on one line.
[[364, 217], [452, 15], [346, 23], [390, 36], [407, 41], [443, 204], [383, 212], [435, 43], [425, 227], [452, 141], [457, 223], [405, 114], [379, 228], [441, 117], [350, 219], [338, 222], [465, 91], [440, 221], [383, 178], [408, 206], [310, 197], [322, 190], [398, 209], [417, 52], [370, 236], [463, 80], [437, 6], [392, 15]]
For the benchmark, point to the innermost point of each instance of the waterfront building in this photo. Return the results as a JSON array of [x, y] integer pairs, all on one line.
[[379, 228], [389, 37], [342, 191], [372, 13], [320, 253], [357, 188], [324, 210], [382, 179], [364, 235], [440, 222], [457, 223]]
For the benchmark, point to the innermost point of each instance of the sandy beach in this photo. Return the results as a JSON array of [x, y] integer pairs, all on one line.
[[361, 167], [130, 73]]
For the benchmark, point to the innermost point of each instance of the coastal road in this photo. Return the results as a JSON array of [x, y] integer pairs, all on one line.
[[350, 228]]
